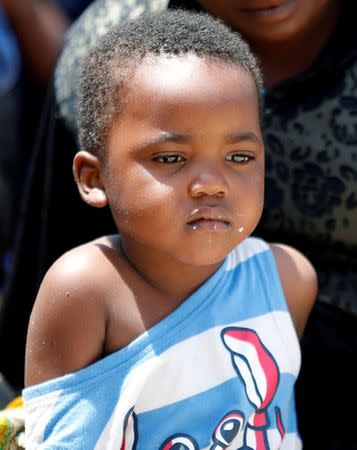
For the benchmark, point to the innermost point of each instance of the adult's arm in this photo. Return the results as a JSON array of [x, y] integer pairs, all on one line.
[[40, 26]]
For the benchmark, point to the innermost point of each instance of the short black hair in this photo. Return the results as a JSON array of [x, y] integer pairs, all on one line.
[[108, 65]]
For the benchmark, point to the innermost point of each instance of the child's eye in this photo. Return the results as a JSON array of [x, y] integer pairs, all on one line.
[[169, 159], [238, 158]]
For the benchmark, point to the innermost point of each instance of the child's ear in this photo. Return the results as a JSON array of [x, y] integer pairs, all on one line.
[[87, 173]]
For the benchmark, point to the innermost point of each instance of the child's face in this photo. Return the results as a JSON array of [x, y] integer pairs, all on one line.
[[185, 162]]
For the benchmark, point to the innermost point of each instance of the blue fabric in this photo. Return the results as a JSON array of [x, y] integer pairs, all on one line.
[[217, 372], [9, 55]]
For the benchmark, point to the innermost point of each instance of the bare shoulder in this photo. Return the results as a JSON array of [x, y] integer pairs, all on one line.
[[68, 321], [299, 281]]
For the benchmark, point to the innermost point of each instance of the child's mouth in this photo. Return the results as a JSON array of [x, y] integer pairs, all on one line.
[[209, 224]]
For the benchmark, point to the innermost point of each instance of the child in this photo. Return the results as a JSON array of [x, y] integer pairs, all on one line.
[[181, 331]]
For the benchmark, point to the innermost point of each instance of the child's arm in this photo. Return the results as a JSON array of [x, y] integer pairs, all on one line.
[[67, 325], [299, 282]]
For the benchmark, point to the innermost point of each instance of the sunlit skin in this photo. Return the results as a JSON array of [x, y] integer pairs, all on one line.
[[185, 165], [183, 174]]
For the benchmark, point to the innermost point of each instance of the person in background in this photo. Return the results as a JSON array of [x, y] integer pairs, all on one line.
[[309, 63], [37, 29], [31, 36]]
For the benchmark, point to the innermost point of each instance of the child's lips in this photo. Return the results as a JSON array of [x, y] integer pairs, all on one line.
[[209, 224], [208, 218]]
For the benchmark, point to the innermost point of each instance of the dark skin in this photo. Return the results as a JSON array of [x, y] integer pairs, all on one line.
[[40, 26], [191, 147], [286, 35]]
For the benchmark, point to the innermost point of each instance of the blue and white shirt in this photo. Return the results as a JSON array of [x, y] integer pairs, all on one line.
[[217, 373]]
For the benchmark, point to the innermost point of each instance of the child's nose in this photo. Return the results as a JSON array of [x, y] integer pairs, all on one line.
[[208, 182]]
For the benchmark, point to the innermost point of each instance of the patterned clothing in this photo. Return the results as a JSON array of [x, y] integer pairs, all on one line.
[[217, 373], [311, 173]]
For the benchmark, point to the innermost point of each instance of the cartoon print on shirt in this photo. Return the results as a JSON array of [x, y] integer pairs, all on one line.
[[224, 434], [259, 372], [130, 431], [279, 422], [227, 430], [179, 442]]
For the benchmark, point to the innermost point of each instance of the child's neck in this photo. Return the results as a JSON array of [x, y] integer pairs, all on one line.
[[171, 279]]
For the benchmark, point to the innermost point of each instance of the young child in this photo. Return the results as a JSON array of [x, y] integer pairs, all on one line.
[[180, 332]]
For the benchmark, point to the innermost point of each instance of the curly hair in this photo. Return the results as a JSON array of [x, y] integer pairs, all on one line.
[[107, 67]]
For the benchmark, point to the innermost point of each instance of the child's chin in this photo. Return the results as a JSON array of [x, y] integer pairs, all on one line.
[[205, 257]]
